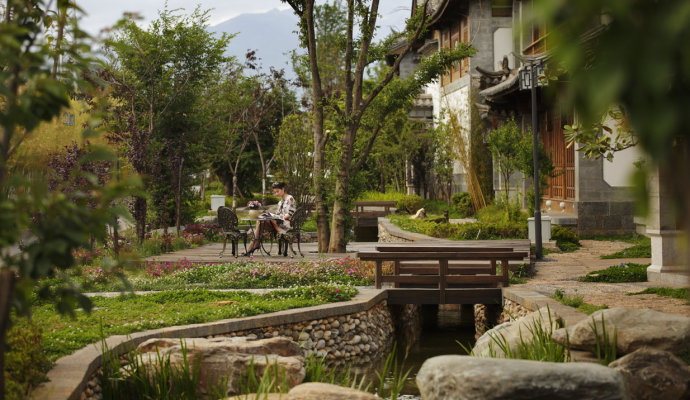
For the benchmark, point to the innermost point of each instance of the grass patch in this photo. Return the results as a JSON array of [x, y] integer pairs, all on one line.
[[576, 301], [642, 248], [680, 293], [129, 313], [629, 272]]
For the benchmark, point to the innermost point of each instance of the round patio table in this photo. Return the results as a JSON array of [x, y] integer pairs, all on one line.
[[251, 222]]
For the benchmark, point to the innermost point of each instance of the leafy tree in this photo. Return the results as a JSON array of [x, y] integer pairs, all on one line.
[[359, 101], [293, 159], [158, 76], [52, 224], [512, 150]]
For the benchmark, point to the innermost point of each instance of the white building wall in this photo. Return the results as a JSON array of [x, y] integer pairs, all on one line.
[[503, 46], [618, 171]]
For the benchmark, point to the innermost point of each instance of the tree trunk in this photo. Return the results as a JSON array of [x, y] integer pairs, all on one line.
[[7, 281], [140, 217], [321, 209], [338, 241], [178, 196], [234, 191]]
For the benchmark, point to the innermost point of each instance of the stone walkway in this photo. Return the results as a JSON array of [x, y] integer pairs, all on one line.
[[561, 270]]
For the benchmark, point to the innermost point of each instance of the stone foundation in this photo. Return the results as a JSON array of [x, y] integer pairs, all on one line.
[[362, 336]]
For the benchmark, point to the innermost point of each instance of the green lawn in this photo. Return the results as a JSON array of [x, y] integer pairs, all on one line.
[[129, 313]]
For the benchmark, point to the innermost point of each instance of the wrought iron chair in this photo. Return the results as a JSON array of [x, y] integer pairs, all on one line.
[[227, 219], [294, 233]]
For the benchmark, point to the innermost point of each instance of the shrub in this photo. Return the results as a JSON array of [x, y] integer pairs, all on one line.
[[462, 204], [630, 272], [566, 238], [410, 203], [26, 363], [469, 231]]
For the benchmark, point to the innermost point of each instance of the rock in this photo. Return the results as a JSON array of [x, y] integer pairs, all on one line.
[[323, 391], [465, 378], [303, 336], [262, 396], [227, 359], [356, 339], [635, 328], [514, 332], [654, 374]]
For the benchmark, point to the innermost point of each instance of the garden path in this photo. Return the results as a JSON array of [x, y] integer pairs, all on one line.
[[561, 270], [209, 253]]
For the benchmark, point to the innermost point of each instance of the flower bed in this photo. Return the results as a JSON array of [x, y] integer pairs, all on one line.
[[240, 275]]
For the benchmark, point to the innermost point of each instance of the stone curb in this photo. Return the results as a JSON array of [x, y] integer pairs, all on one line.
[[394, 231], [70, 374], [534, 301]]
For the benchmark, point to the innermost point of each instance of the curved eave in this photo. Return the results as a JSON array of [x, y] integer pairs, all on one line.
[[496, 92]]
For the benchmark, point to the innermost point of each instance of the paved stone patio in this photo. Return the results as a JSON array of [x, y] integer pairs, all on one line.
[[561, 270]]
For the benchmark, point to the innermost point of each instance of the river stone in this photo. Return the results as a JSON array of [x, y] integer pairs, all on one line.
[[225, 359], [635, 328], [474, 378], [654, 374], [325, 391], [513, 333]]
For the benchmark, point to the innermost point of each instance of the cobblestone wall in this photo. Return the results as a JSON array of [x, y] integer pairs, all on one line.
[[386, 237], [360, 337]]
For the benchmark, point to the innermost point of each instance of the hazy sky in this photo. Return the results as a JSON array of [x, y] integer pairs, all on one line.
[[103, 13]]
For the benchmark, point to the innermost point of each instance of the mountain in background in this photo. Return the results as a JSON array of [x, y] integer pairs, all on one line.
[[272, 34]]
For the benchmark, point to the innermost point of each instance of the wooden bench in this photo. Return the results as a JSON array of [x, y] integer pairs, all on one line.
[[443, 274]]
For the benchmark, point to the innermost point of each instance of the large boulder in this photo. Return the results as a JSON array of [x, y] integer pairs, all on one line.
[[510, 334], [634, 329], [465, 378], [325, 391], [654, 374], [227, 360]]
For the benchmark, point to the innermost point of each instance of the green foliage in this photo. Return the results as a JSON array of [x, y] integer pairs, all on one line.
[[26, 363], [539, 348], [566, 239], [469, 231], [392, 376], [576, 301], [409, 203], [512, 151], [462, 204], [605, 347], [608, 71], [381, 196], [293, 154], [675, 293], [160, 379], [501, 213], [129, 313], [641, 249], [630, 272]]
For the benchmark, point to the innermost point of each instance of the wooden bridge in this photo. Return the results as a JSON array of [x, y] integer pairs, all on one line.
[[366, 213], [463, 273]]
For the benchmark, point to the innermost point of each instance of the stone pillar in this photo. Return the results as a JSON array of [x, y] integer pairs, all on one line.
[[668, 259]]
